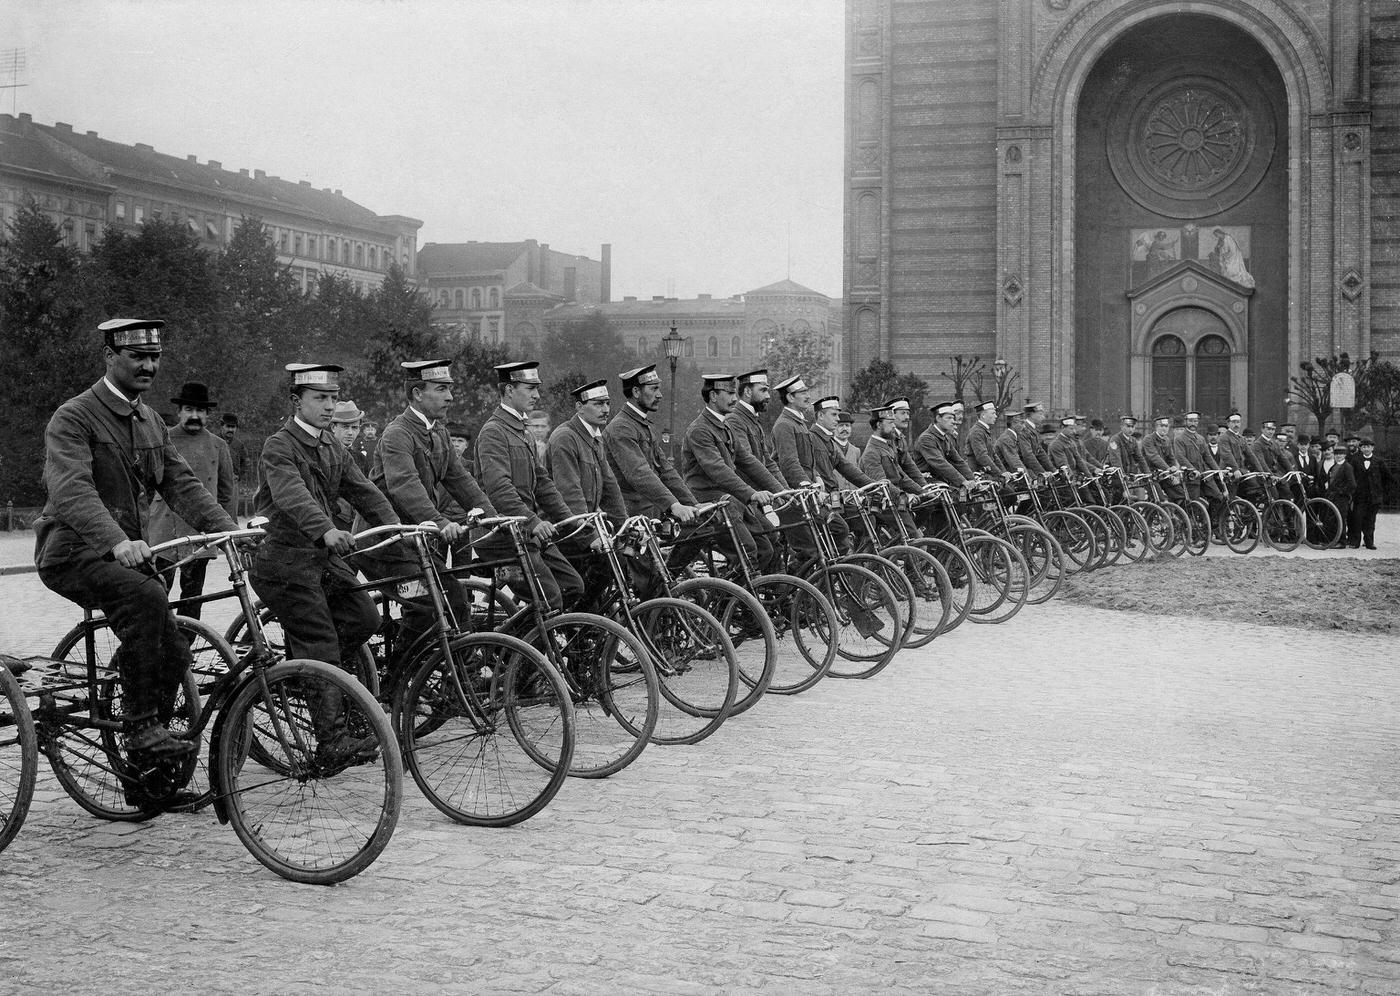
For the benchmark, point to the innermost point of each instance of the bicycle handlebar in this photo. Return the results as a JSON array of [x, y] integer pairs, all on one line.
[[206, 539]]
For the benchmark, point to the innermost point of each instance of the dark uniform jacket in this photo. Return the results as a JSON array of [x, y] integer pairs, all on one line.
[[749, 432], [1008, 450], [880, 461], [981, 449], [1233, 453], [103, 460], [906, 460], [1371, 483], [1157, 452], [303, 479], [1267, 456], [793, 448], [208, 456], [936, 454], [511, 473], [1063, 451], [717, 463], [649, 482], [1341, 480], [1097, 448], [580, 470], [1192, 451], [414, 466], [1031, 449], [1125, 453], [833, 466]]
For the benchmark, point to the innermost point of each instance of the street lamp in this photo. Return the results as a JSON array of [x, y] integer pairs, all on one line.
[[673, 343]]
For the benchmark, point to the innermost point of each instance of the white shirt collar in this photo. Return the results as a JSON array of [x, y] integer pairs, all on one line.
[[714, 414], [519, 416], [752, 410], [641, 413], [423, 418], [795, 413], [113, 388], [311, 431], [593, 431]]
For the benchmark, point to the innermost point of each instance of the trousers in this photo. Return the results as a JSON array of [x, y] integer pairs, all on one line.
[[311, 594], [191, 584]]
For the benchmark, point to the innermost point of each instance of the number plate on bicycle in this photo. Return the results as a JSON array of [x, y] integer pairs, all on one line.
[[988, 506], [413, 589], [1023, 496]]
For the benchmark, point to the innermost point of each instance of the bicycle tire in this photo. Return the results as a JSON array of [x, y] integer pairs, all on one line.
[[1043, 558], [999, 565], [1135, 533], [325, 819], [1324, 524], [696, 668], [961, 583], [19, 757], [803, 619], [858, 593], [1114, 537], [368, 662], [613, 687], [1075, 536], [499, 755], [1283, 525], [933, 592], [750, 631], [83, 746], [1199, 515], [1161, 528], [898, 582], [1181, 530], [1241, 525]]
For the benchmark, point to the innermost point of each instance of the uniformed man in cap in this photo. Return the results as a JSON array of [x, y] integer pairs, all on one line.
[[796, 456], [903, 419], [716, 464], [980, 452], [936, 450], [1232, 455], [517, 483], [414, 464], [578, 463], [1031, 450], [745, 419], [648, 480], [1158, 456], [1193, 453], [1267, 453], [106, 453], [1124, 451], [833, 462], [1096, 443], [298, 571], [880, 461], [1007, 447], [1064, 451], [209, 458]]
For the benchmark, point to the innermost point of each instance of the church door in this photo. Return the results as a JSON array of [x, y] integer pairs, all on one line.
[[1168, 377]]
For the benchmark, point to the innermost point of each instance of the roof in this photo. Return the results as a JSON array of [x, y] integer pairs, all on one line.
[[668, 307], [22, 148], [786, 287], [527, 289], [141, 162], [468, 257]]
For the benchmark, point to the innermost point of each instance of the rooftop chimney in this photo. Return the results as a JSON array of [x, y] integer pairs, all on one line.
[[338, 193], [605, 277], [658, 297], [92, 134], [259, 174], [26, 117], [216, 164], [144, 147], [63, 126], [544, 266], [243, 172], [305, 183], [703, 297]]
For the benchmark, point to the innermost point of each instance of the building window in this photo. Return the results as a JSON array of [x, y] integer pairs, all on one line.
[[713, 347], [297, 243], [194, 225], [734, 346], [311, 246], [689, 346], [493, 325], [442, 298], [138, 215], [68, 233], [330, 249], [344, 252], [642, 345], [495, 297], [373, 258], [359, 254], [121, 210], [212, 229], [458, 298], [282, 240], [155, 214], [89, 235], [476, 298]]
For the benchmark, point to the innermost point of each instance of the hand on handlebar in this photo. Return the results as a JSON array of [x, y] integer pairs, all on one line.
[[454, 531], [682, 513], [131, 553], [338, 541], [761, 497], [543, 532]]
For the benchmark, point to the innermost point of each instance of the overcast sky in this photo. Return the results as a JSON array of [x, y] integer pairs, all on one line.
[[691, 134]]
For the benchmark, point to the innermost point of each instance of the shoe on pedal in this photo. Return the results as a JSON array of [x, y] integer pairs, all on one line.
[[341, 750], [148, 742], [866, 622]]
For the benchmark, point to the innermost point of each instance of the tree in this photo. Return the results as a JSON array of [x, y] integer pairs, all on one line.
[[1384, 409], [586, 344], [49, 340], [1314, 387], [879, 382], [799, 351], [402, 329]]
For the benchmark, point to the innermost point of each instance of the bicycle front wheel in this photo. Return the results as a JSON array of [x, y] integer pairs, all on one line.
[[1324, 524], [932, 601], [489, 736], [750, 631], [1001, 571], [803, 623], [1044, 560], [695, 665], [326, 810], [1199, 515], [1283, 525], [1075, 537], [869, 628], [1136, 535], [1241, 525], [19, 757]]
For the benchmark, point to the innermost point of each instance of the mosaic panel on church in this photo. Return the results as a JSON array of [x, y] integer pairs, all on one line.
[[1226, 249]]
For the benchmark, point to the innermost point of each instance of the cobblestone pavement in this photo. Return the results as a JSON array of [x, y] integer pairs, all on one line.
[[1075, 802]]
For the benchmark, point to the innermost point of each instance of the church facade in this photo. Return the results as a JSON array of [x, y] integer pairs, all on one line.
[[1144, 206]]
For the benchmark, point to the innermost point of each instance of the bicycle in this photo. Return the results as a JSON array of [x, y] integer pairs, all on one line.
[[320, 811], [19, 751], [1237, 522]]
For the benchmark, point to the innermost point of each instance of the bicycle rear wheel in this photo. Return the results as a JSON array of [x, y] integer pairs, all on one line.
[[613, 687], [1114, 537], [326, 811], [1161, 531], [1076, 539], [1181, 530], [1325, 525], [491, 744], [1044, 560], [803, 623], [1241, 525], [749, 628], [903, 589], [19, 757], [962, 584], [1283, 525], [1136, 545], [695, 664], [868, 624], [1199, 515]]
